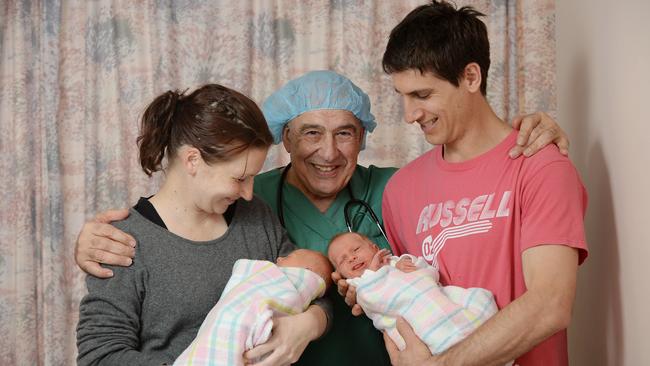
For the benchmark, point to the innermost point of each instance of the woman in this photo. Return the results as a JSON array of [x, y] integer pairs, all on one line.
[[189, 235]]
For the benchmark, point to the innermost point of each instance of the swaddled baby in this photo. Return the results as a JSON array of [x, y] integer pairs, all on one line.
[[257, 291], [388, 287]]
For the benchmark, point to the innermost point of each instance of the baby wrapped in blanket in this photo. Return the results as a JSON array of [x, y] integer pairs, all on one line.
[[388, 287], [256, 291]]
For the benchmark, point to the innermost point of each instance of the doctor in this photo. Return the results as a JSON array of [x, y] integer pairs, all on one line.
[[322, 119]]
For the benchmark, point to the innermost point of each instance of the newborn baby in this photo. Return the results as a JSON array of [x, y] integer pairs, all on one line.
[[257, 291], [388, 287]]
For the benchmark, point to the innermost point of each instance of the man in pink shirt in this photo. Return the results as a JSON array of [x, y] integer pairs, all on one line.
[[514, 227]]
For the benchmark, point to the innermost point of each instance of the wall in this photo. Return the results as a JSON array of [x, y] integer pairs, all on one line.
[[603, 56]]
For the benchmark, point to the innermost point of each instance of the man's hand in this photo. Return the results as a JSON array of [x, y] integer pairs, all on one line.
[[100, 242], [348, 292], [535, 132], [406, 265], [415, 353], [380, 259]]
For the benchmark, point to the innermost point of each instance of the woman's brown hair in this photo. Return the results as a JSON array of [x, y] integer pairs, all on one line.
[[216, 120]]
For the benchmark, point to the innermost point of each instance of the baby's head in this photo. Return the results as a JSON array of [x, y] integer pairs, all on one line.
[[351, 254], [308, 259]]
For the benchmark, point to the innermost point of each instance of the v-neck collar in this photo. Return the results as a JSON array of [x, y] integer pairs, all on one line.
[[325, 224]]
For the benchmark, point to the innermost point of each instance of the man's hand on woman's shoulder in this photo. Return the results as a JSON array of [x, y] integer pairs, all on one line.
[[99, 242]]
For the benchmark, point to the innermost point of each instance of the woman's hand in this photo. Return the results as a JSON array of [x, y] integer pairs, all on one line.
[[289, 338], [348, 292], [535, 132], [100, 242]]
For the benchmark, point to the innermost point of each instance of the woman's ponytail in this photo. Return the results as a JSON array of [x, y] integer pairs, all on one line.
[[156, 130]]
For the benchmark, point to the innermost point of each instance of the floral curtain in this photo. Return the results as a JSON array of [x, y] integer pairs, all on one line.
[[75, 76]]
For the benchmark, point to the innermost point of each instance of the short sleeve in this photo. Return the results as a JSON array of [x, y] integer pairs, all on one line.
[[554, 202]]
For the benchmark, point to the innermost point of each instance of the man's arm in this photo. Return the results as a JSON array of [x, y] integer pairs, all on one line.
[[550, 273], [100, 242]]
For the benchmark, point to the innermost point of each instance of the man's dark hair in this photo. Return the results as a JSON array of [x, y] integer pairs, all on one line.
[[440, 39]]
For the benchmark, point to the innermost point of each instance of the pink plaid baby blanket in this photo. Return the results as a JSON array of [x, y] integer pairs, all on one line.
[[242, 319], [440, 316]]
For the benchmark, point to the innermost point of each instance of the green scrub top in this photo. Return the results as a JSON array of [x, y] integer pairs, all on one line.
[[351, 340]]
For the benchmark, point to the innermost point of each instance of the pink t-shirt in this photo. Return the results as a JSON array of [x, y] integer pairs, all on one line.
[[473, 220]]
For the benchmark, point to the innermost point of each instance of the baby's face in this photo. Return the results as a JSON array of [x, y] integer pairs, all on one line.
[[308, 259], [351, 254]]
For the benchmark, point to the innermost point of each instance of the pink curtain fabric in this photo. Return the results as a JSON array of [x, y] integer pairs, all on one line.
[[76, 75]]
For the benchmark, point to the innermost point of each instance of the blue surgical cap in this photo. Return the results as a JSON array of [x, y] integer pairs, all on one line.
[[316, 90]]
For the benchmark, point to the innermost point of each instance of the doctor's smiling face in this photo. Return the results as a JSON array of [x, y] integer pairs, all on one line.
[[324, 146]]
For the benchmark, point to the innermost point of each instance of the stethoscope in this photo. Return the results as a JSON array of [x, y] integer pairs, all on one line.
[[346, 209]]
